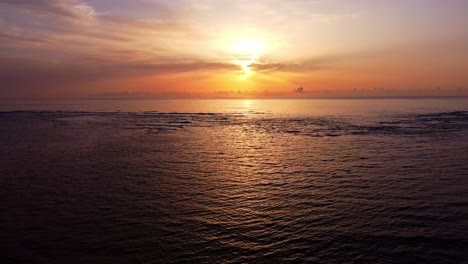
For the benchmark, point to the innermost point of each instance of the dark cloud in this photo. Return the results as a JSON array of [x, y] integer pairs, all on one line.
[[305, 66], [268, 67], [27, 74], [299, 90], [189, 66]]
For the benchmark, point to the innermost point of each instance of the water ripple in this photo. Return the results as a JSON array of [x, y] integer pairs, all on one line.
[[151, 187]]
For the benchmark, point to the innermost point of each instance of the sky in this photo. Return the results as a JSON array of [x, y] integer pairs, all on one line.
[[232, 49]]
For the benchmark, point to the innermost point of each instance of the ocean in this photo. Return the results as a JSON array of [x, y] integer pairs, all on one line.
[[234, 181]]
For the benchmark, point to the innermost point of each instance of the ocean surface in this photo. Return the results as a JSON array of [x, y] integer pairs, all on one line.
[[234, 181]]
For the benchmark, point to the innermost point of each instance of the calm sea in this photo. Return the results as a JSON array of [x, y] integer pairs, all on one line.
[[234, 181]]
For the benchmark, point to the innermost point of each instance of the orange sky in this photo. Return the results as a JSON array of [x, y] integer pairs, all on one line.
[[232, 49]]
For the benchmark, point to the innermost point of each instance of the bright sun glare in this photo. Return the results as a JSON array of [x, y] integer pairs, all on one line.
[[246, 51], [251, 47]]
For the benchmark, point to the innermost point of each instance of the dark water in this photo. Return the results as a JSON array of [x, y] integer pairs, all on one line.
[[376, 181]]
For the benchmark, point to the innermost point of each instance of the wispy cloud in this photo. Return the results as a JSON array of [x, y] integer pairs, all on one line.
[[61, 22], [50, 42], [69, 41], [51, 8], [53, 43]]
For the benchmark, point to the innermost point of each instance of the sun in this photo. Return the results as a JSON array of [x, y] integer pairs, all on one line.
[[245, 51], [248, 46]]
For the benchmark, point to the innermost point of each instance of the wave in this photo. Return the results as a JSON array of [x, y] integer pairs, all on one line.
[[313, 126]]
